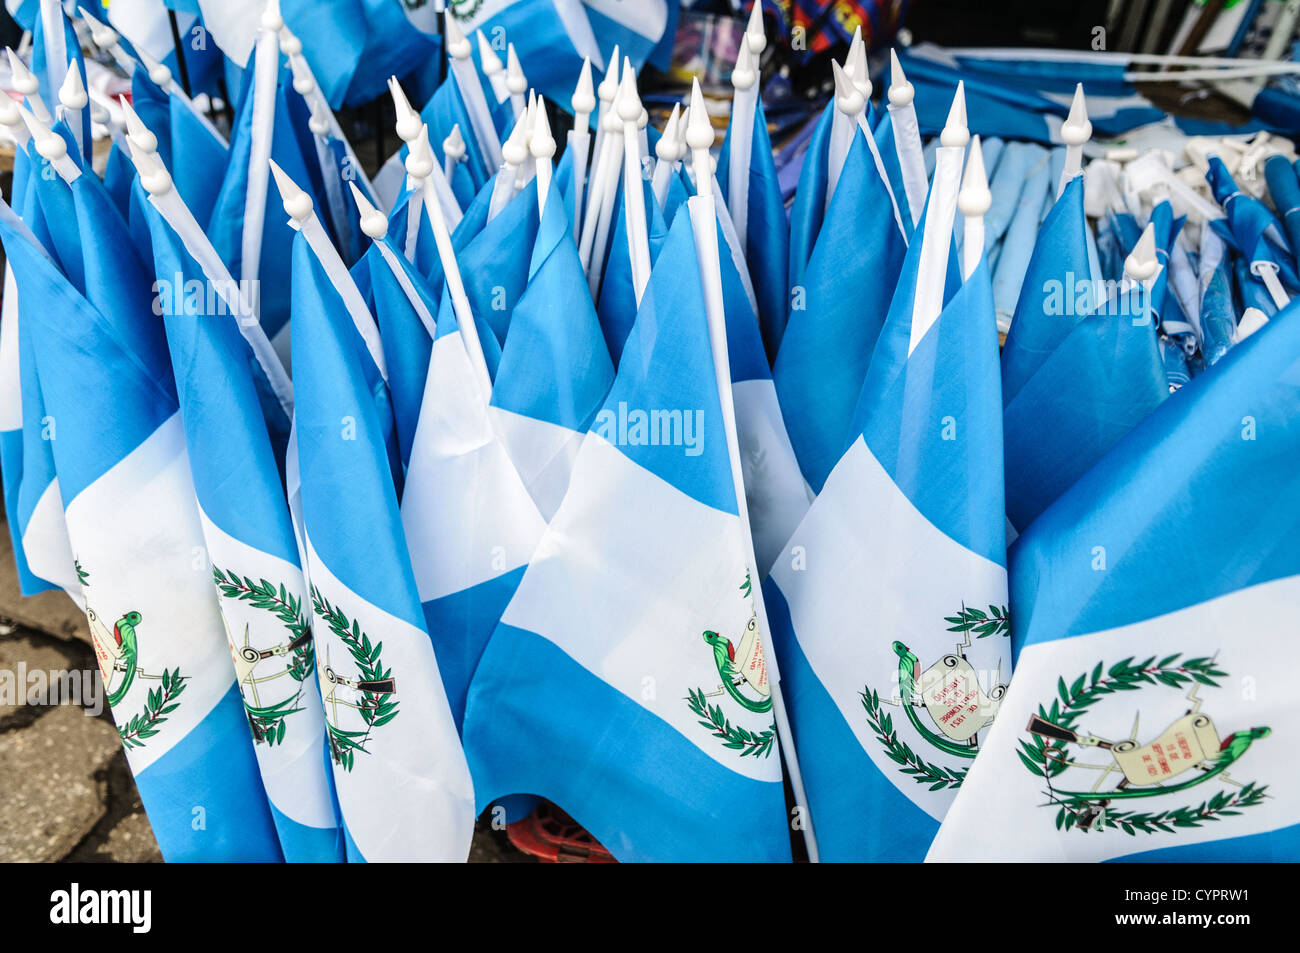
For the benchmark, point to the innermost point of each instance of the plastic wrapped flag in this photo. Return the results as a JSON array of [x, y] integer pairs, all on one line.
[[892, 690], [837, 312], [135, 531], [1253, 232], [627, 679], [1126, 733], [399, 770]]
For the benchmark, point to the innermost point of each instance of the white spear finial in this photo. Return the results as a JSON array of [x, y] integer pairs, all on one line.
[[297, 203], [955, 132], [373, 222], [457, 45], [515, 149], [743, 75], [755, 31], [453, 147], [1141, 263], [584, 94], [101, 34], [855, 65], [154, 177], [699, 131], [408, 120], [669, 142], [25, 82], [608, 87], [318, 120], [304, 83], [516, 81], [847, 98], [541, 143], [419, 158], [272, 19], [628, 103], [1252, 319], [1075, 132], [901, 92], [49, 145], [487, 57], [9, 112], [137, 132], [974, 201], [72, 94], [290, 45], [158, 72]]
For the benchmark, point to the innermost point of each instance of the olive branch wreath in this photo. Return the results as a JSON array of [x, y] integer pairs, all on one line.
[[1046, 759], [756, 743], [377, 710], [160, 703], [920, 770], [268, 722], [997, 621]]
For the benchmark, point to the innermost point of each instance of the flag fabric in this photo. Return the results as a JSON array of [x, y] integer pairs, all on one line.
[[399, 770], [1103, 379], [836, 314], [1019, 241], [555, 367], [250, 547], [1127, 714], [767, 248], [1057, 270], [631, 643], [636, 29], [908, 533], [809, 206], [1218, 311], [616, 296], [55, 51], [1251, 230], [1284, 188], [124, 476]]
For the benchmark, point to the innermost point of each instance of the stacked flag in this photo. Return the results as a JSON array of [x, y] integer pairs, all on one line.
[[947, 516]]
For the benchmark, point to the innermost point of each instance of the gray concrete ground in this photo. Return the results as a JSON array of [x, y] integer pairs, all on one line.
[[66, 793]]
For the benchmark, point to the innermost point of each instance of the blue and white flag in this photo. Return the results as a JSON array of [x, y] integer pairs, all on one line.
[[627, 680], [555, 367], [124, 475], [889, 603], [1056, 293], [809, 206], [400, 773], [635, 28], [767, 245], [1153, 711], [56, 51], [250, 544], [1103, 379], [1255, 233], [837, 312]]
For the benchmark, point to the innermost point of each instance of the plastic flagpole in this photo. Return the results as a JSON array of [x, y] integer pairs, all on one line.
[[605, 93], [583, 102], [542, 146], [304, 84], [744, 79], [516, 81], [492, 68], [107, 39], [907, 138], [26, 83], [1075, 133], [72, 100], [669, 150], [699, 137], [514, 155], [266, 66], [298, 205], [453, 152], [374, 224], [973, 201], [609, 188], [848, 103], [465, 75], [628, 107]]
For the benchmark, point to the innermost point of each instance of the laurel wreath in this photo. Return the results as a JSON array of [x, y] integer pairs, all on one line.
[[268, 722], [465, 10], [755, 743], [82, 576], [920, 770], [1045, 758], [344, 744], [997, 621], [160, 703]]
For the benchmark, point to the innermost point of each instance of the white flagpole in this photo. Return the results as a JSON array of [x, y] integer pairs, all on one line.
[[1075, 132], [26, 83], [699, 136], [72, 100], [848, 103], [744, 79], [514, 154], [974, 201], [266, 64], [595, 252], [583, 102], [298, 205], [669, 150], [490, 63], [408, 130], [471, 91], [542, 146], [51, 147], [516, 81], [628, 107], [304, 84], [936, 242], [907, 138], [106, 38], [453, 152], [605, 93]]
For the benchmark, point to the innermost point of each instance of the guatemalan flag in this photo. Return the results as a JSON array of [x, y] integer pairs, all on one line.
[[889, 604], [137, 540], [626, 681], [250, 545], [399, 770], [837, 312], [1153, 708]]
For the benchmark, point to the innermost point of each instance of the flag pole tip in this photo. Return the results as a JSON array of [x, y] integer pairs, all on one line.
[[516, 81], [975, 199], [487, 56], [1141, 263], [608, 87], [699, 131], [847, 98], [453, 147], [584, 93], [743, 74], [1076, 130], [457, 45], [72, 94], [297, 203], [666, 149], [290, 45], [901, 92], [373, 222], [272, 19], [137, 133], [515, 149], [628, 102], [955, 132], [101, 34], [24, 80], [408, 120], [855, 66], [542, 143], [756, 30], [1252, 319], [419, 159]]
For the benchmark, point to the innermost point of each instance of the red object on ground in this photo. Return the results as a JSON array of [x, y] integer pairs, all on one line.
[[553, 837]]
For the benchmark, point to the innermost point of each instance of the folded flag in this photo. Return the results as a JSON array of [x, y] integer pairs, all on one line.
[[124, 475], [836, 314], [1254, 233], [1023, 228], [250, 547], [399, 770], [910, 522], [1218, 312], [1149, 707], [626, 681]]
